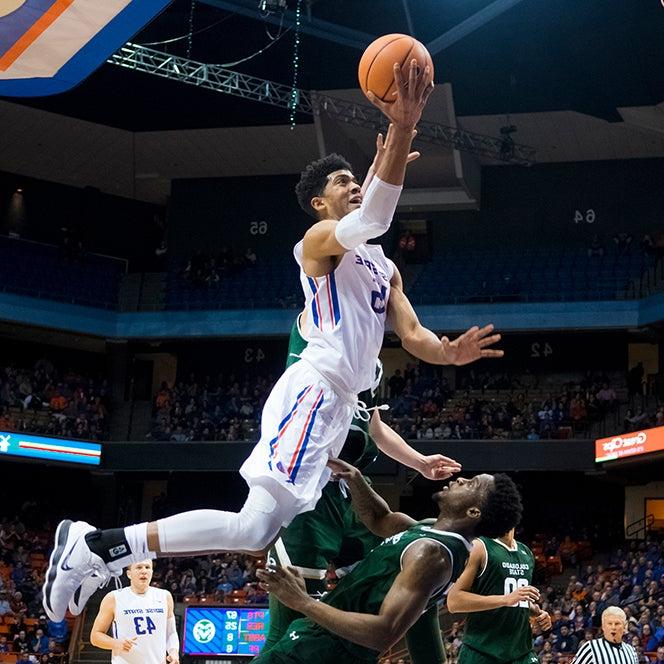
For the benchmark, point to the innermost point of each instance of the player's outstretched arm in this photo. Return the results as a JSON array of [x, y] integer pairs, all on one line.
[[425, 567], [381, 147], [370, 508], [461, 600], [98, 634], [433, 466], [472, 345], [404, 112]]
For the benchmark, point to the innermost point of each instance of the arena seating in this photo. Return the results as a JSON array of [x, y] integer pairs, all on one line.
[[38, 270], [271, 283], [535, 275], [23, 562]]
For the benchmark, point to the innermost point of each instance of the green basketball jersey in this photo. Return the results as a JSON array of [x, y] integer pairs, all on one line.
[[364, 589], [503, 633], [360, 450]]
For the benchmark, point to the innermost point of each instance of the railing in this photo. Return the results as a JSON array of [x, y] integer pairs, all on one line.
[[641, 525], [75, 638], [124, 261]]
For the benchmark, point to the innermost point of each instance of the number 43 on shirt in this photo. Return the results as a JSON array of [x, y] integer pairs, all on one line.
[[144, 625]]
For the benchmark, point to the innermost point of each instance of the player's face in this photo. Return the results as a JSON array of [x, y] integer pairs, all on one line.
[[613, 628], [462, 494], [341, 195], [140, 574]]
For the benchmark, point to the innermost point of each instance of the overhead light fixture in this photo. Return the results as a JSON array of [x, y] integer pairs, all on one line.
[[19, 190], [270, 5]]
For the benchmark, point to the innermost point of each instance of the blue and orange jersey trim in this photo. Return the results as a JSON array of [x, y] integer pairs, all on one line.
[[325, 308]]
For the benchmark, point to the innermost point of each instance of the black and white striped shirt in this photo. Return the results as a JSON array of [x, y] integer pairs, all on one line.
[[601, 651]]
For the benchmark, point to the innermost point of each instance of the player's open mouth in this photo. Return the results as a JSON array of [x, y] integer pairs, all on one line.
[[356, 200]]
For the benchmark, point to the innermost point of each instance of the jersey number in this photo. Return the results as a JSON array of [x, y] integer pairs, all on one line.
[[149, 625], [511, 585], [378, 300]]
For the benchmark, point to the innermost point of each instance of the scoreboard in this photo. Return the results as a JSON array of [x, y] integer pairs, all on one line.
[[218, 630]]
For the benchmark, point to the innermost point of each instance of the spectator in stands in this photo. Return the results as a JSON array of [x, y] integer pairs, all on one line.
[[224, 585], [622, 241], [57, 631], [19, 607], [635, 380], [567, 643], [659, 659], [21, 642], [5, 646], [24, 657], [607, 397], [5, 606], [39, 643], [596, 248]]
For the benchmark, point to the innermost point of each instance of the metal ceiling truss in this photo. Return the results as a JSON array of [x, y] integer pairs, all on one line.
[[219, 79]]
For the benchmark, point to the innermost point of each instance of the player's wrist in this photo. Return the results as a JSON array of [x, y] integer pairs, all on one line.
[[304, 605]]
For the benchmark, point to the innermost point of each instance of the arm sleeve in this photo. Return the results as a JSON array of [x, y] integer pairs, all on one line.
[[172, 640], [372, 218]]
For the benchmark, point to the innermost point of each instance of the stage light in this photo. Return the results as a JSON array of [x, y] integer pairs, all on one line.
[[271, 5]]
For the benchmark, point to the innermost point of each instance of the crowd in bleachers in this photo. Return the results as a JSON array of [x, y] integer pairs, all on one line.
[[26, 634], [633, 578], [53, 401], [498, 406], [227, 578], [220, 408], [422, 406]]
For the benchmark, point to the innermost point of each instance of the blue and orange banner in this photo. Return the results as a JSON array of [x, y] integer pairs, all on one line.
[[631, 444], [50, 46]]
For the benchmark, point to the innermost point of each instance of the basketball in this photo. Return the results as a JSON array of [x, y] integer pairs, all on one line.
[[376, 71]]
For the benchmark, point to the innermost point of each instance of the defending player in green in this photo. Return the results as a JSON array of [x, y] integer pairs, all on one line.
[[411, 570], [495, 591]]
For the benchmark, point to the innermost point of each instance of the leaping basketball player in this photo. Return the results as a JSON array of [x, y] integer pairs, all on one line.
[[351, 289]]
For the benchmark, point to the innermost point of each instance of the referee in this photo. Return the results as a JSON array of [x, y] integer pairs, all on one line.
[[609, 649]]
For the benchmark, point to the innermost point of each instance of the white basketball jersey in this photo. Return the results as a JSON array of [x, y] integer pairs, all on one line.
[[347, 310], [142, 617]]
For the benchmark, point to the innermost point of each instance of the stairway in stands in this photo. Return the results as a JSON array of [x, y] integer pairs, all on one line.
[[87, 653]]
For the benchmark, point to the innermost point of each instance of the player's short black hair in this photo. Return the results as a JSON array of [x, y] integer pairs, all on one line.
[[503, 508], [314, 178]]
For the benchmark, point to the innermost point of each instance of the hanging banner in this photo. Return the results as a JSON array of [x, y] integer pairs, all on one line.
[[636, 443], [50, 46]]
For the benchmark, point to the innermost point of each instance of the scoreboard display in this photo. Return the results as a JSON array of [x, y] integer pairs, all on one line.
[[216, 630]]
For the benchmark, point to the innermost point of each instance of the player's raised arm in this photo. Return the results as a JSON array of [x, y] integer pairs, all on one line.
[[425, 568], [370, 508], [472, 345], [381, 146], [460, 599], [433, 466], [342, 228]]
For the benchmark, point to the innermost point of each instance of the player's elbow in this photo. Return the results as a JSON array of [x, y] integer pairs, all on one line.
[[453, 603], [95, 640], [387, 635]]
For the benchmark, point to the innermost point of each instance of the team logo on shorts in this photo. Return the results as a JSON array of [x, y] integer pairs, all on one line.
[[204, 631]]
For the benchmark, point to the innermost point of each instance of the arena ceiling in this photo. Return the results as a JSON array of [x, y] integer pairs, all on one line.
[[501, 57]]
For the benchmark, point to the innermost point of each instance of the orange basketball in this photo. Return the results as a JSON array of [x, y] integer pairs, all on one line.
[[376, 70]]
